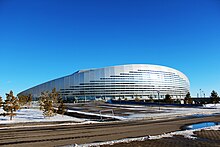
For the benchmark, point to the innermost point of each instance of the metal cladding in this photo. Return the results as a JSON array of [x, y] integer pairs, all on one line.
[[124, 81]]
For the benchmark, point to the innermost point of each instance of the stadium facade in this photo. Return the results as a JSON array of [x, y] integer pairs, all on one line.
[[114, 82]]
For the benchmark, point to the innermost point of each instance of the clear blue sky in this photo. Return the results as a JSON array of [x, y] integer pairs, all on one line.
[[42, 40]]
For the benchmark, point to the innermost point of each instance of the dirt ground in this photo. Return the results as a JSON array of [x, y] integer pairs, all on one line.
[[205, 138], [92, 133], [70, 133], [119, 110]]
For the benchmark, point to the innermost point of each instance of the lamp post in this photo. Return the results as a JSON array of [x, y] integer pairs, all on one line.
[[203, 93], [200, 93], [158, 92]]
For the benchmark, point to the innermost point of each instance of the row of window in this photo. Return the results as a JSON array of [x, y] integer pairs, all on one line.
[[91, 81], [124, 90]]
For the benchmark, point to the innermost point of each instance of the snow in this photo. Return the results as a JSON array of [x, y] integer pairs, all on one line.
[[172, 112], [35, 115], [211, 106], [47, 125], [165, 113], [186, 133], [94, 114], [132, 106], [145, 112]]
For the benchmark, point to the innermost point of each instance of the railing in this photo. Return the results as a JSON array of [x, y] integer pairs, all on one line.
[[152, 104], [109, 110]]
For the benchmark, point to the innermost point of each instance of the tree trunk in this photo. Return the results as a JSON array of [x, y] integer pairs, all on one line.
[[11, 115]]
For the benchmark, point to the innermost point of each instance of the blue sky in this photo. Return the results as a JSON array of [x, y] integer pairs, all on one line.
[[42, 40]]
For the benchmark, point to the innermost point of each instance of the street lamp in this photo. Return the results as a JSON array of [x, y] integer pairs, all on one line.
[[200, 93], [203, 93], [158, 92]]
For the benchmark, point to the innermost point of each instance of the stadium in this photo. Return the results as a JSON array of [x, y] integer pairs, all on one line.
[[118, 82]]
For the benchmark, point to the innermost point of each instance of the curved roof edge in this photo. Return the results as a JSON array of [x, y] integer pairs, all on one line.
[[152, 65], [86, 70]]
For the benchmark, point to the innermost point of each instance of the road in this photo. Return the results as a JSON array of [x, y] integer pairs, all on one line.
[[90, 133]]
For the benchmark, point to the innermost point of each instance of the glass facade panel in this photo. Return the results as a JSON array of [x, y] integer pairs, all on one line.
[[119, 81]]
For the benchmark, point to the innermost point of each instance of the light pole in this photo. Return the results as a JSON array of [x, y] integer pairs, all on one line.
[[203, 93], [200, 93], [158, 92]]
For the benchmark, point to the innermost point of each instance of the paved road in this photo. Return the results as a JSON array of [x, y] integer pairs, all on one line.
[[88, 133]]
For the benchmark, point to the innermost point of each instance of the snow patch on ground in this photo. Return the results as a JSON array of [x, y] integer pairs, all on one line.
[[163, 113], [94, 114], [49, 125], [35, 115], [145, 112], [186, 133], [211, 106], [132, 106], [172, 112]]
